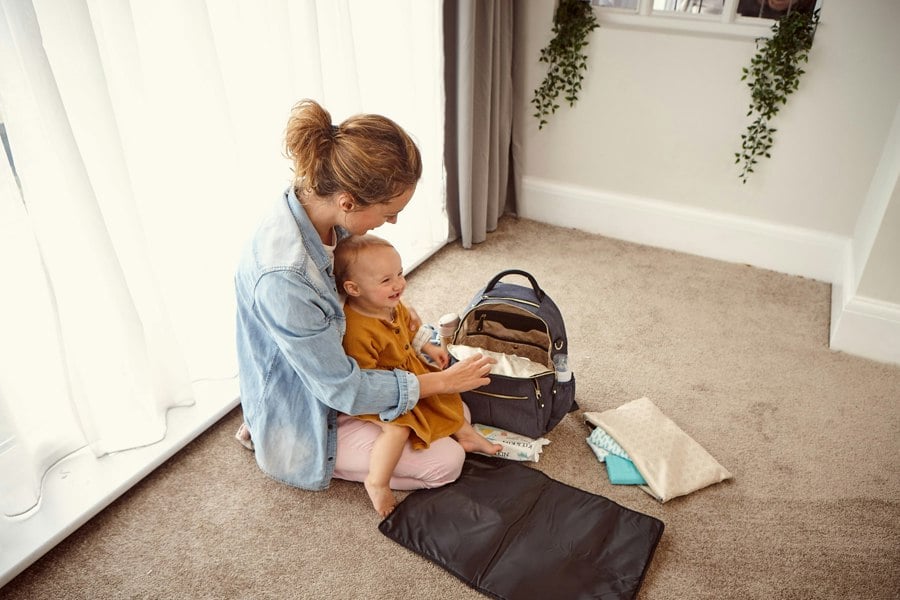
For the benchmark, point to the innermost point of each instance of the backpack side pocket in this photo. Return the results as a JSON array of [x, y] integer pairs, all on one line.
[[563, 401]]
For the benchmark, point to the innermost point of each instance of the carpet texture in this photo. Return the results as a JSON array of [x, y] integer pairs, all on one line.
[[736, 356]]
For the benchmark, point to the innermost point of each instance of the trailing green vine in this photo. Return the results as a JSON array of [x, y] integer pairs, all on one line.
[[773, 75], [573, 22]]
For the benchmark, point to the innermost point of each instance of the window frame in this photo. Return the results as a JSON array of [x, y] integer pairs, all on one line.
[[729, 24]]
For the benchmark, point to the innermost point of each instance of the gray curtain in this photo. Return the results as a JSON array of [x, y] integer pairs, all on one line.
[[478, 44]]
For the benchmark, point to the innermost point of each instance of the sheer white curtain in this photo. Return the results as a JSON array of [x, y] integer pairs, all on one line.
[[146, 137]]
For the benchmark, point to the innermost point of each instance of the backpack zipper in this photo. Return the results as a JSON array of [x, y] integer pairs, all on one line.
[[501, 396], [537, 394], [519, 300]]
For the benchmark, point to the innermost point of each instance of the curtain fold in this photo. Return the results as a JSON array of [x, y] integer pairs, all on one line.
[[478, 151], [146, 143], [105, 323]]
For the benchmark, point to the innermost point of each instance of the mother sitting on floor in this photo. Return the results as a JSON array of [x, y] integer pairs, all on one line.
[[297, 384]]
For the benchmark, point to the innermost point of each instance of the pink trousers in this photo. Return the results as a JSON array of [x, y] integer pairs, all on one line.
[[437, 465]]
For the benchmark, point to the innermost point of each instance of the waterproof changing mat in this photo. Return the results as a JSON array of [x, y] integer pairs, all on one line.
[[514, 533]]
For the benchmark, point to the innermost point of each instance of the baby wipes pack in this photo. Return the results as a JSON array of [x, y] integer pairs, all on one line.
[[515, 446]]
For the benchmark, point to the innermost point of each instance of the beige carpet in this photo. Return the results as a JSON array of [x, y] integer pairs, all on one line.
[[736, 356]]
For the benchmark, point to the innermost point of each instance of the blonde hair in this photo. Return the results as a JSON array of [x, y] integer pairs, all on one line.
[[368, 156], [347, 252]]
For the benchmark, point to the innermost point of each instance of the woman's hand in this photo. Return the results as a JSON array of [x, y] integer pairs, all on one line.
[[470, 373], [465, 375]]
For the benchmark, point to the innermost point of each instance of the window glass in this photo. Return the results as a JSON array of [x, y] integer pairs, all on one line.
[[772, 9], [628, 4], [726, 10], [697, 7]]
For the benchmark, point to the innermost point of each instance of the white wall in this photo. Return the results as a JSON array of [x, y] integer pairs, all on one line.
[[879, 279], [876, 245], [647, 154], [865, 304]]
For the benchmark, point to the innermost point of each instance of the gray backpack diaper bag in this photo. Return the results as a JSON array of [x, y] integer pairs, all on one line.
[[522, 321]]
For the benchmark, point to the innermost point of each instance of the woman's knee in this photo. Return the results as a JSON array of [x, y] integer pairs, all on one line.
[[445, 465]]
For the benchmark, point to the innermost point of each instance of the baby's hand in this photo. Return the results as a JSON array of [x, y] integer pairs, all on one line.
[[436, 354], [414, 320]]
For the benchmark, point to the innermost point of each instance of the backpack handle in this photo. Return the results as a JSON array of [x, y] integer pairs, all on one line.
[[534, 284]]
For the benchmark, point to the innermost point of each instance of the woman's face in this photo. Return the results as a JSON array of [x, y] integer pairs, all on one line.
[[359, 221]]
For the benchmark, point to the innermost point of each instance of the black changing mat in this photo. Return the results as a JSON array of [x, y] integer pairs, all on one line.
[[514, 533]]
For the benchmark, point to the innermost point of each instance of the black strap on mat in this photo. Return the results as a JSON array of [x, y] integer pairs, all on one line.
[[513, 533]]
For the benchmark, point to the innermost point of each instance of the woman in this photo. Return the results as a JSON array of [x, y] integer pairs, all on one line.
[[297, 384]]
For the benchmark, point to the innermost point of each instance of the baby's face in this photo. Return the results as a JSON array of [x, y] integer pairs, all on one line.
[[378, 274]]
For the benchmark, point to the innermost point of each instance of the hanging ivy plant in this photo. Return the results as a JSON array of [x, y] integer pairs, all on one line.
[[573, 22], [774, 73]]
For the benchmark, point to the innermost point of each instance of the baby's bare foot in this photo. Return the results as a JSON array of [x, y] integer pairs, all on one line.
[[472, 441], [382, 498]]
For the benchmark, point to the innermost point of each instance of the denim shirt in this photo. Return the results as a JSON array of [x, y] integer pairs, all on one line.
[[294, 375]]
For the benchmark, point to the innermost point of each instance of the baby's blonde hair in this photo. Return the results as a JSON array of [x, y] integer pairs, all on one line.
[[347, 253]]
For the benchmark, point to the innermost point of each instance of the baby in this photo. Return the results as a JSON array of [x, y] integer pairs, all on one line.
[[368, 270]]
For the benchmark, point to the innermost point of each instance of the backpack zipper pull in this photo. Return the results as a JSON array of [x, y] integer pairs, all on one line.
[[537, 392], [480, 325]]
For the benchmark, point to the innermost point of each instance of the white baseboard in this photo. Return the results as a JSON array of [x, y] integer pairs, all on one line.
[[868, 328], [862, 326], [792, 250], [80, 486], [859, 326]]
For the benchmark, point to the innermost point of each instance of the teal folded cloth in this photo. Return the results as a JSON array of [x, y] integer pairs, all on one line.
[[622, 471], [603, 445]]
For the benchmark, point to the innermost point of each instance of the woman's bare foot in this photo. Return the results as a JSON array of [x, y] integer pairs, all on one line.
[[382, 498], [472, 441], [243, 436]]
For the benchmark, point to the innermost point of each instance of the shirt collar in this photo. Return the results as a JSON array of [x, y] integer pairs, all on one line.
[[311, 240]]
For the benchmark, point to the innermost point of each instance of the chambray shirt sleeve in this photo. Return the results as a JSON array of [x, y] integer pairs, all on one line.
[[303, 325]]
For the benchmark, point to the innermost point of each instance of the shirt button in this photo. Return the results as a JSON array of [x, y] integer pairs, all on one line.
[[406, 347], [330, 458], [397, 330]]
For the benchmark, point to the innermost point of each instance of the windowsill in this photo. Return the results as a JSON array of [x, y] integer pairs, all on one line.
[[692, 24], [80, 486]]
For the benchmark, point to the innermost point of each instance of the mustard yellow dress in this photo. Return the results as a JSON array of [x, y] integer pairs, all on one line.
[[382, 344]]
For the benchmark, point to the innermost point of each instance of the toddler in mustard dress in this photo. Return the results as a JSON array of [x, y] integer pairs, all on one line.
[[368, 270]]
